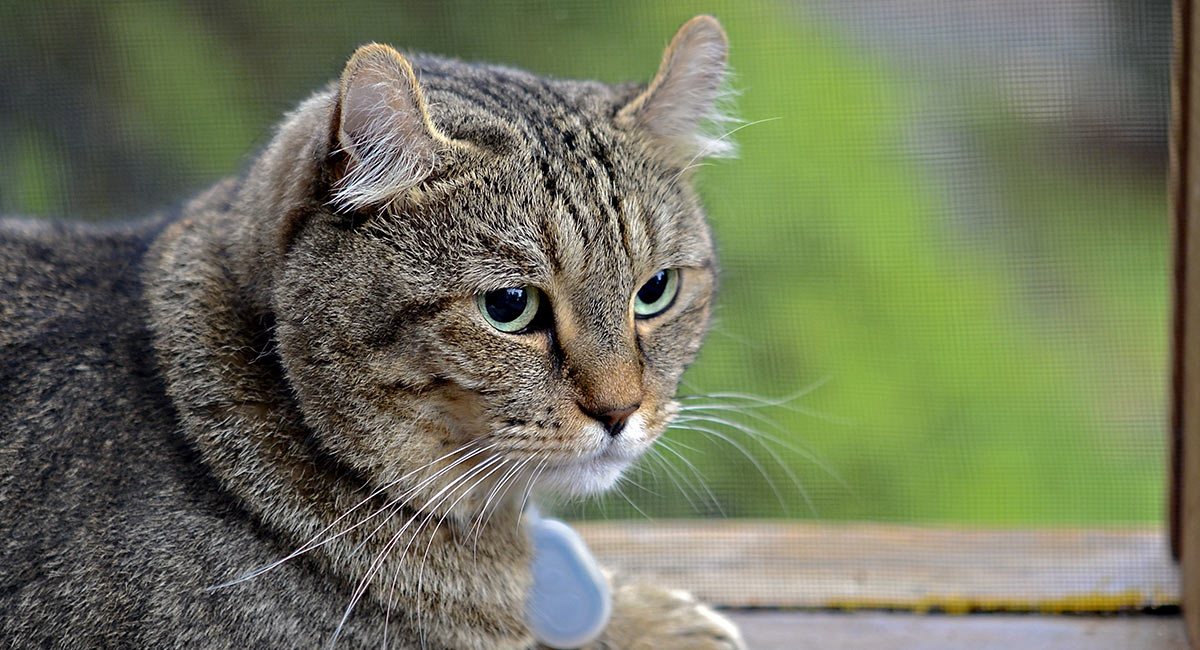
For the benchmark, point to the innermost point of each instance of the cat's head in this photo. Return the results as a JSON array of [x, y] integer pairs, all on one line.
[[495, 271]]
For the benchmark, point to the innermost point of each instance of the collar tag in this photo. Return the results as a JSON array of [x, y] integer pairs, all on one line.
[[571, 601]]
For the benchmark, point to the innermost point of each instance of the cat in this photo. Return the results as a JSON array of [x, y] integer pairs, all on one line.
[[441, 285]]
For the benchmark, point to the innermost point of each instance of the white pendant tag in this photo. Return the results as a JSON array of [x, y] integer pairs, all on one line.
[[571, 601]]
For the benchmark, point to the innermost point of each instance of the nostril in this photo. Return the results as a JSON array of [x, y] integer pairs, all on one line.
[[614, 429], [613, 419]]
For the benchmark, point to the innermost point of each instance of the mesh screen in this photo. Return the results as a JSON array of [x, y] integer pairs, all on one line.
[[944, 298]]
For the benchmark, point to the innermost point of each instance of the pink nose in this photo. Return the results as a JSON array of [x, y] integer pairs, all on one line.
[[613, 419]]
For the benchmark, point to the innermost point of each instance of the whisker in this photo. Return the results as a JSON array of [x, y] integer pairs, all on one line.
[[748, 455], [618, 490], [676, 441], [699, 475], [640, 486], [365, 582], [373, 569], [675, 476], [747, 409], [398, 502], [391, 592], [801, 451], [716, 328], [433, 537], [482, 519], [784, 402], [532, 482], [654, 455], [757, 437], [312, 544]]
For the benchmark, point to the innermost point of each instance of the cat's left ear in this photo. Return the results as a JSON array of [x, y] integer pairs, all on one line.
[[685, 93], [384, 130]]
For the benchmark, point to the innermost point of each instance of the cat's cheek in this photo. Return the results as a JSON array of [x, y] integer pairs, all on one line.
[[461, 412]]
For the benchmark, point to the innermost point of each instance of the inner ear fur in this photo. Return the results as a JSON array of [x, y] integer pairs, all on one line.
[[685, 93], [384, 131]]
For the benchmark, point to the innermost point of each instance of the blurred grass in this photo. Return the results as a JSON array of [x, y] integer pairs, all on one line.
[[988, 370]]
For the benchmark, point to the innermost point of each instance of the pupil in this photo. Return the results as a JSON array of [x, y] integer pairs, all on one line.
[[653, 289], [505, 305]]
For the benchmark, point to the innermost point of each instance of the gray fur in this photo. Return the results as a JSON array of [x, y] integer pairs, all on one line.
[[191, 397]]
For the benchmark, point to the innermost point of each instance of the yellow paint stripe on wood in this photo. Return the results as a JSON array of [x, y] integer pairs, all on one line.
[[789, 564]]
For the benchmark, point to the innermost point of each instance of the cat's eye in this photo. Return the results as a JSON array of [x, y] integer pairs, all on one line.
[[657, 294], [511, 309]]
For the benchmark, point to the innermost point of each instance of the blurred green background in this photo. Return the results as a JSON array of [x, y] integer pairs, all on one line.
[[946, 236]]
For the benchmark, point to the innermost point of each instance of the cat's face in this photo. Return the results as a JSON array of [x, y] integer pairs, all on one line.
[[526, 307]]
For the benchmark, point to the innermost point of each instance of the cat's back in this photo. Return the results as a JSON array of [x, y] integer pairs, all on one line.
[[71, 316], [52, 273], [82, 410], [78, 379]]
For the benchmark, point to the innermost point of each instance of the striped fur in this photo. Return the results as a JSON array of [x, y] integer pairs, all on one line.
[[323, 381]]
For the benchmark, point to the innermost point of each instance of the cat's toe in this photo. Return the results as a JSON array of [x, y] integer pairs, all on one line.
[[648, 617]]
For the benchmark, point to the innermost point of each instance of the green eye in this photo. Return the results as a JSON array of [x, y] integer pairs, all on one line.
[[657, 294], [511, 309]]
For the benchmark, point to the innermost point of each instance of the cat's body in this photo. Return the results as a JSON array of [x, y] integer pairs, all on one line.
[[319, 343], [114, 526]]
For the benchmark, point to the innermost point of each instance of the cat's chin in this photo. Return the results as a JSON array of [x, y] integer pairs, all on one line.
[[591, 476], [600, 471]]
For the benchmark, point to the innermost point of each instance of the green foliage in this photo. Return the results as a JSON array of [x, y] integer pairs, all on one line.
[[998, 370]]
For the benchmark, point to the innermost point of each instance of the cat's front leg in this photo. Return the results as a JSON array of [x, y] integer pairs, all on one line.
[[647, 617]]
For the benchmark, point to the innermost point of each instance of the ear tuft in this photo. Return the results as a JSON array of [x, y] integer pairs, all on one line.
[[686, 94], [384, 129]]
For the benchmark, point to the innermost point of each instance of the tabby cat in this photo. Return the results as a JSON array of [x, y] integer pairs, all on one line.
[[441, 285]]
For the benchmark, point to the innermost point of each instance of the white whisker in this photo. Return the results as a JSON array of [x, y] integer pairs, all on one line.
[[618, 490], [398, 503], [763, 402], [532, 482], [733, 443], [803, 452], [699, 475], [757, 437], [433, 536], [512, 475], [312, 543], [671, 474], [373, 569]]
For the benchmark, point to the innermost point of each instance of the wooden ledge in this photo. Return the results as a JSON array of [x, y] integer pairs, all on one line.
[[898, 631], [741, 563]]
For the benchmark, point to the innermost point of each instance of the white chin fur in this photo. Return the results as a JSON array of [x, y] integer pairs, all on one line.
[[600, 473], [587, 477]]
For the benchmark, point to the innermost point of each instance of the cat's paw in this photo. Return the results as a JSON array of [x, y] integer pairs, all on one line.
[[646, 617]]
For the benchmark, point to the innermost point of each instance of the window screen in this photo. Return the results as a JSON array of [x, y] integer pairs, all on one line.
[[945, 247]]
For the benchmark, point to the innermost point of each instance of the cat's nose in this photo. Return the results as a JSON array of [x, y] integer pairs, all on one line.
[[613, 419]]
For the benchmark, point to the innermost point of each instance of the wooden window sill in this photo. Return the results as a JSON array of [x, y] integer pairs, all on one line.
[[855, 586], [849, 566], [766, 630]]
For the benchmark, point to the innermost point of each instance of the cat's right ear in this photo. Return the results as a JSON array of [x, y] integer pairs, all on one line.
[[384, 130]]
